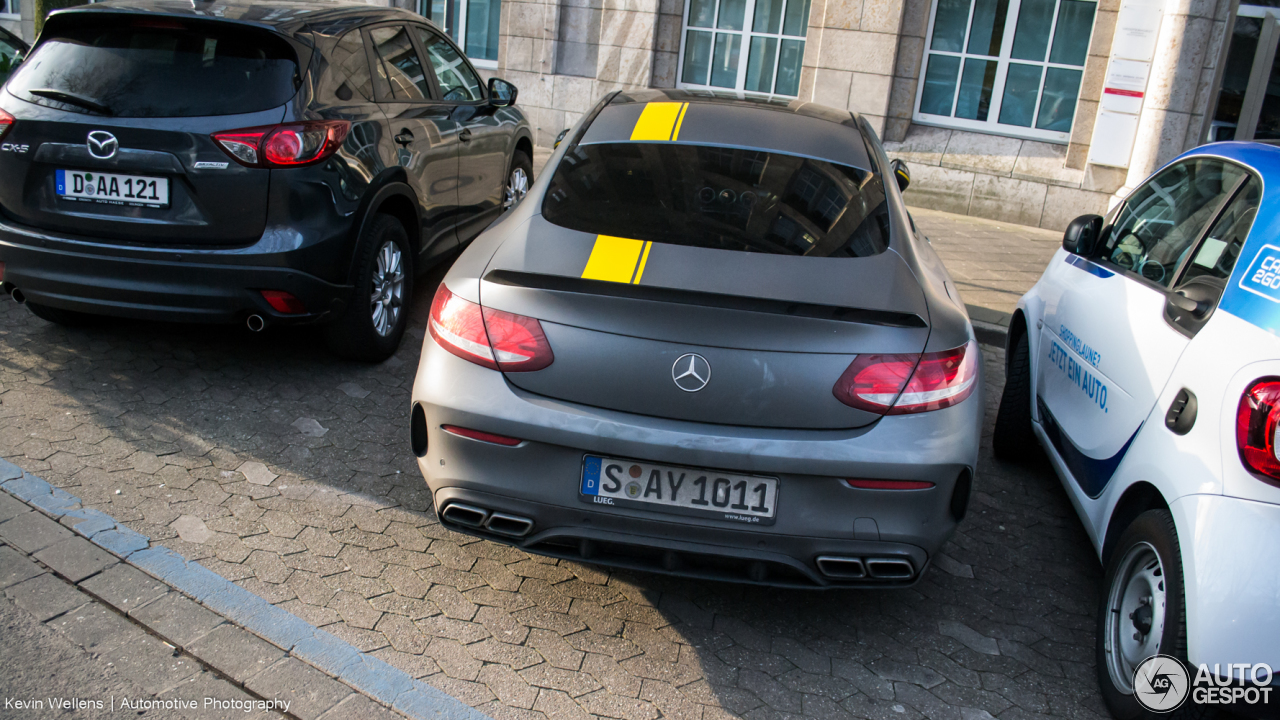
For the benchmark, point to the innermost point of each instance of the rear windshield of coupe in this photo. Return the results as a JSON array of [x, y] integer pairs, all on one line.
[[157, 67], [715, 197]]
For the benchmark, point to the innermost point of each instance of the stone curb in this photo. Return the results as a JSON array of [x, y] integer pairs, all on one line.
[[294, 636], [990, 326]]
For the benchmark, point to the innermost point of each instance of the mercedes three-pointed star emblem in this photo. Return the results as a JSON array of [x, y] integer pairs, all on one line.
[[691, 372]]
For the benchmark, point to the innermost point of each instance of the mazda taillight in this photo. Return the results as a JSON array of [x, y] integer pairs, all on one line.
[[904, 384], [6, 123], [495, 339], [287, 145], [1257, 421]]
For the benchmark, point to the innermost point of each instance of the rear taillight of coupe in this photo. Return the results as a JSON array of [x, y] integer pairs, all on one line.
[[905, 384], [6, 123], [492, 338], [287, 145], [1257, 422]]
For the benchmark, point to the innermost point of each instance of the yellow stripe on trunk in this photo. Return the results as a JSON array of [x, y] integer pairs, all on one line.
[[613, 259], [658, 121]]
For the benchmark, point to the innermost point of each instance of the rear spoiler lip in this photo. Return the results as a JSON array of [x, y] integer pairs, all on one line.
[[559, 283]]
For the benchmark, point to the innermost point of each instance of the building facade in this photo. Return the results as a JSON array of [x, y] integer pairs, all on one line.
[[1027, 111]]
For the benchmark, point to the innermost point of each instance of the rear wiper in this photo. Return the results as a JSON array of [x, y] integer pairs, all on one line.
[[72, 99]]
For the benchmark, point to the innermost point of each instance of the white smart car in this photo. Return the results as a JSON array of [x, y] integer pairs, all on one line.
[[1146, 363]]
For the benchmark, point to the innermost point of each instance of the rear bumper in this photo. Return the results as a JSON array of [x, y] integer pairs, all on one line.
[[1231, 572], [169, 284], [818, 515]]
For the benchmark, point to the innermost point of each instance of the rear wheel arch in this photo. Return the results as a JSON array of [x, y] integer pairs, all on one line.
[[388, 194], [1136, 499]]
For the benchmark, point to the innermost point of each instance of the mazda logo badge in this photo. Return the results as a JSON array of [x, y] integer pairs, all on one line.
[[102, 144], [691, 372]]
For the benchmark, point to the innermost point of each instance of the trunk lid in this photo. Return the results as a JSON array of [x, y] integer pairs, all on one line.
[[775, 331], [108, 102]]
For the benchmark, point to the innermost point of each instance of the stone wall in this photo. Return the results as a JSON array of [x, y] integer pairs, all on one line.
[[22, 26], [1178, 91], [849, 55], [1017, 181], [565, 55]]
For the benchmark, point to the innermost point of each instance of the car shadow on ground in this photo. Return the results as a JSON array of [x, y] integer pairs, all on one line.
[[154, 424]]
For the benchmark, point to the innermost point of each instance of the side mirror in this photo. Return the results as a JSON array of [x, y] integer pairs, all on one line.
[[502, 93], [560, 138], [1081, 237], [900, 173]]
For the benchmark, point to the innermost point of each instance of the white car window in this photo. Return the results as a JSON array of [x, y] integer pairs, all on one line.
[[1216, 257], [1162, 219]]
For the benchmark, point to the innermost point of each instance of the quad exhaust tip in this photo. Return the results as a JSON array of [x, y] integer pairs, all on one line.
[[482, 519], [852, 568]]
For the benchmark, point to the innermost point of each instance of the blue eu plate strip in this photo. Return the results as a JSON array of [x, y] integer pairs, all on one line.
[[591, 475]]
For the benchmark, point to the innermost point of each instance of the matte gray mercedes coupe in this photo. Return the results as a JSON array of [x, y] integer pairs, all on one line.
[[708, 342]]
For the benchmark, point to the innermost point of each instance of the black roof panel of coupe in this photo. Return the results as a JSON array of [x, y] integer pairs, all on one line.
[[694, 117]]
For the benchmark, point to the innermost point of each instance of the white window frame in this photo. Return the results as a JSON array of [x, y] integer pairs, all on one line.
[[991, 125], [744, 54], [424, 9]]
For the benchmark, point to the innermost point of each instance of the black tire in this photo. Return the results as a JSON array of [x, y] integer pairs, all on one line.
[[1013, 438], [70, 318], [353, 334], [1152, 536], [520, 160]]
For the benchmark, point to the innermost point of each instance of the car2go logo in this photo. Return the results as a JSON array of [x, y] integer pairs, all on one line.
[[1162, 684], [1262, 277]]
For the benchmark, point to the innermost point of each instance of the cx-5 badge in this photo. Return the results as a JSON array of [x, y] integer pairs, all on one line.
[[102, 144], [691, 372]]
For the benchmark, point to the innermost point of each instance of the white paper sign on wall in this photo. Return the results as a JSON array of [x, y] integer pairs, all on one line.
[[1132, 48]]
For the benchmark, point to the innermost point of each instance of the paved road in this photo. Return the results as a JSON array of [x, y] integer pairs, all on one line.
[[288, 472], [43, 665]]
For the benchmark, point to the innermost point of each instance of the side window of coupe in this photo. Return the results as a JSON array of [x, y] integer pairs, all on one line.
[[399, 65], [458, 82], [1161, 221]]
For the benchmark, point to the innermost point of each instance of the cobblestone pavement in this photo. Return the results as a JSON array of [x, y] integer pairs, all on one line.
[[993, 263], [289, 473]]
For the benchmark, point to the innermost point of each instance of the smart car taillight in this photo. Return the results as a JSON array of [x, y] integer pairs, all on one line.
[[495, 339], [1257, 422], [287, 145], [6, 122], [918, 383]]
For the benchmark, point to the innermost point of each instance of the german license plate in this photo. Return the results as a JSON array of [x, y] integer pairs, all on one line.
[[686, 491], [113, 189]]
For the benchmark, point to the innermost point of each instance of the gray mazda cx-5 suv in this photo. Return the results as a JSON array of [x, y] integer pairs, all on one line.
[[254, 162], [709, 341]]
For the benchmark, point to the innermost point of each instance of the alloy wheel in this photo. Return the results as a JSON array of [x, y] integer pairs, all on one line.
[[1135, 613], [517, 186], [387, 299]]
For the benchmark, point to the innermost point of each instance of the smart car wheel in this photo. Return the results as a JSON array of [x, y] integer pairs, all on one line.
[[1014, 439], [58, 315], [1142, 613], [371, 327], [518, 180]]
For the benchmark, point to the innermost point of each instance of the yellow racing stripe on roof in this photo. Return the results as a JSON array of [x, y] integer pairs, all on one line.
[[658, 121], [675, 134], [613, 259]]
